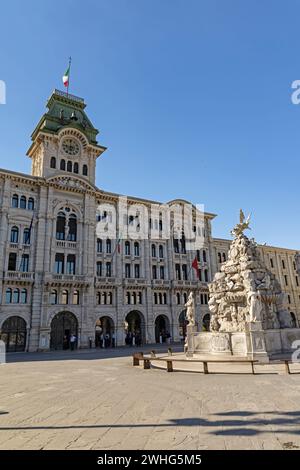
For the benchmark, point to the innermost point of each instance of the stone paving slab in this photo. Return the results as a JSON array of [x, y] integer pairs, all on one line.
[[105, 403]]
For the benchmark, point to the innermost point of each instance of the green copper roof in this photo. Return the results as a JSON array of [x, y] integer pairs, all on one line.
[[61, 107]]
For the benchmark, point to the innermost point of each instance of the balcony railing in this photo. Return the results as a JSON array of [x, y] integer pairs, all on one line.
[[17, 275], [66, 244]]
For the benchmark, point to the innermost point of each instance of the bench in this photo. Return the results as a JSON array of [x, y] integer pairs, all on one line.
[[137, 357]]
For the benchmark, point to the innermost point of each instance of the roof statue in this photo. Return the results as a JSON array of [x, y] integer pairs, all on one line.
[[243, 225]]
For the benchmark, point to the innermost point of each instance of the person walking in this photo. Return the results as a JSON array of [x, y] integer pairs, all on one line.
[[72, 342]]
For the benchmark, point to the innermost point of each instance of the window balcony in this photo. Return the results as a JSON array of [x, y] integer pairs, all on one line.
[[66, 244], [19, 276]]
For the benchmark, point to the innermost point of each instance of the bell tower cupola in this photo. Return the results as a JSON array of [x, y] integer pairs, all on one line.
[[64, 141]]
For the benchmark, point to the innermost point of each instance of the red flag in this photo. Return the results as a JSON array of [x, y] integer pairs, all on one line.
[[195, 266]]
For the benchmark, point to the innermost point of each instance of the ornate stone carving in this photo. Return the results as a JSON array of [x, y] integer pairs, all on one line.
[[245, 292], [190, 312]]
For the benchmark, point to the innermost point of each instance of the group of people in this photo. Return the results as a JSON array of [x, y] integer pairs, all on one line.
[[133, 338], [105, 340], [70, 342]]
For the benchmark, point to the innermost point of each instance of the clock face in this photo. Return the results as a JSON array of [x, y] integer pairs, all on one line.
[[70, 147]]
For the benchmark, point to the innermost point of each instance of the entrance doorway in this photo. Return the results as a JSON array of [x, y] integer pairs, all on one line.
[[63, 325], [104, 332], [13, 333], [162, 329], [135, 328]]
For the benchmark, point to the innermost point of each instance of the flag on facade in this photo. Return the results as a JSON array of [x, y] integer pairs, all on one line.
[[195, 266], [66, 77], [119, 245]]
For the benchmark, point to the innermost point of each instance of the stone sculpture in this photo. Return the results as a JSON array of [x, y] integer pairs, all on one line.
[[244, 292], [190, 312]]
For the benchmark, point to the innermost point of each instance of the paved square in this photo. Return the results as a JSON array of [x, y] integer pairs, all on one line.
[[88, 400]]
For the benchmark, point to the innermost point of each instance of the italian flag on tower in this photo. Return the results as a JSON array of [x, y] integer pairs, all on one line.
[[66, 76]]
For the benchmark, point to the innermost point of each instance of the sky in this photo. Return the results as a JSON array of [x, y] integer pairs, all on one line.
[[191, 97]]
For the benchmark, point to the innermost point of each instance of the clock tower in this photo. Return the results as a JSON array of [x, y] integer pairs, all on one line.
[[64, 141]]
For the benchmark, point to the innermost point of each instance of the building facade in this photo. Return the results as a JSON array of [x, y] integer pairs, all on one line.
[[61, 278]]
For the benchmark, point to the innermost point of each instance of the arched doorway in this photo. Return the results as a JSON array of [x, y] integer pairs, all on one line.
[[135, 328], [182, 325], [162, 329], [206, 322], [63, 325], [13, 333], [104, 332]]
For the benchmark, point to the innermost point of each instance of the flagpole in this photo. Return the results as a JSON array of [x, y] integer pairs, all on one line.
[[70, 61]]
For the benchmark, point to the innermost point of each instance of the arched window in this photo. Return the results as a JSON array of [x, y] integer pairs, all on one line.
[[76, 297], [155, 297], [30, 204], [23, 202], [60, 226], [108, 246], [24, 267], [14, 235], [69, 166], [16, 296], [176, 245], [133, 296], [165, 298], [8, 296], [204, 256], [103, 298], [206, 275], [62, 164], [98, 298], [53, 297], [65, 297], [178, 298], [15, 201], [75, 167], [72, 235], [24, 296], [53, 162], [26, 236], [139, 297], [99, 245], [127, 248], [161, 251], [59, 263], [85, 170], [153, 251], [160, 298], [185, 297], [109, 298], [136, 249], [128, 298], [224, 257]]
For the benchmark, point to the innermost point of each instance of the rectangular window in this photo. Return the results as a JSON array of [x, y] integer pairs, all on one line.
[[108, 269], [24, 264], [127, 270], [177, 272], [99, 268], [12, 262], [162, 272], [154, 272], [59, 263], [71, 264], [286, 280], [137, 271], [271, 262], [184, 272], [297, 281], [283, 264]]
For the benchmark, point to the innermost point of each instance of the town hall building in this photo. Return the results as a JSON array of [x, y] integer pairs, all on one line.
[[61, 277]]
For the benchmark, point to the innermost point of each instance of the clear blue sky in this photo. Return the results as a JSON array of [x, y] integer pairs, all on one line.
[[191, 97]]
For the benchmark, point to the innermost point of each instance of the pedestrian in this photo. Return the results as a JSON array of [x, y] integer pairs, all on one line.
[[72, 342], [113, 340], [101, 340]]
